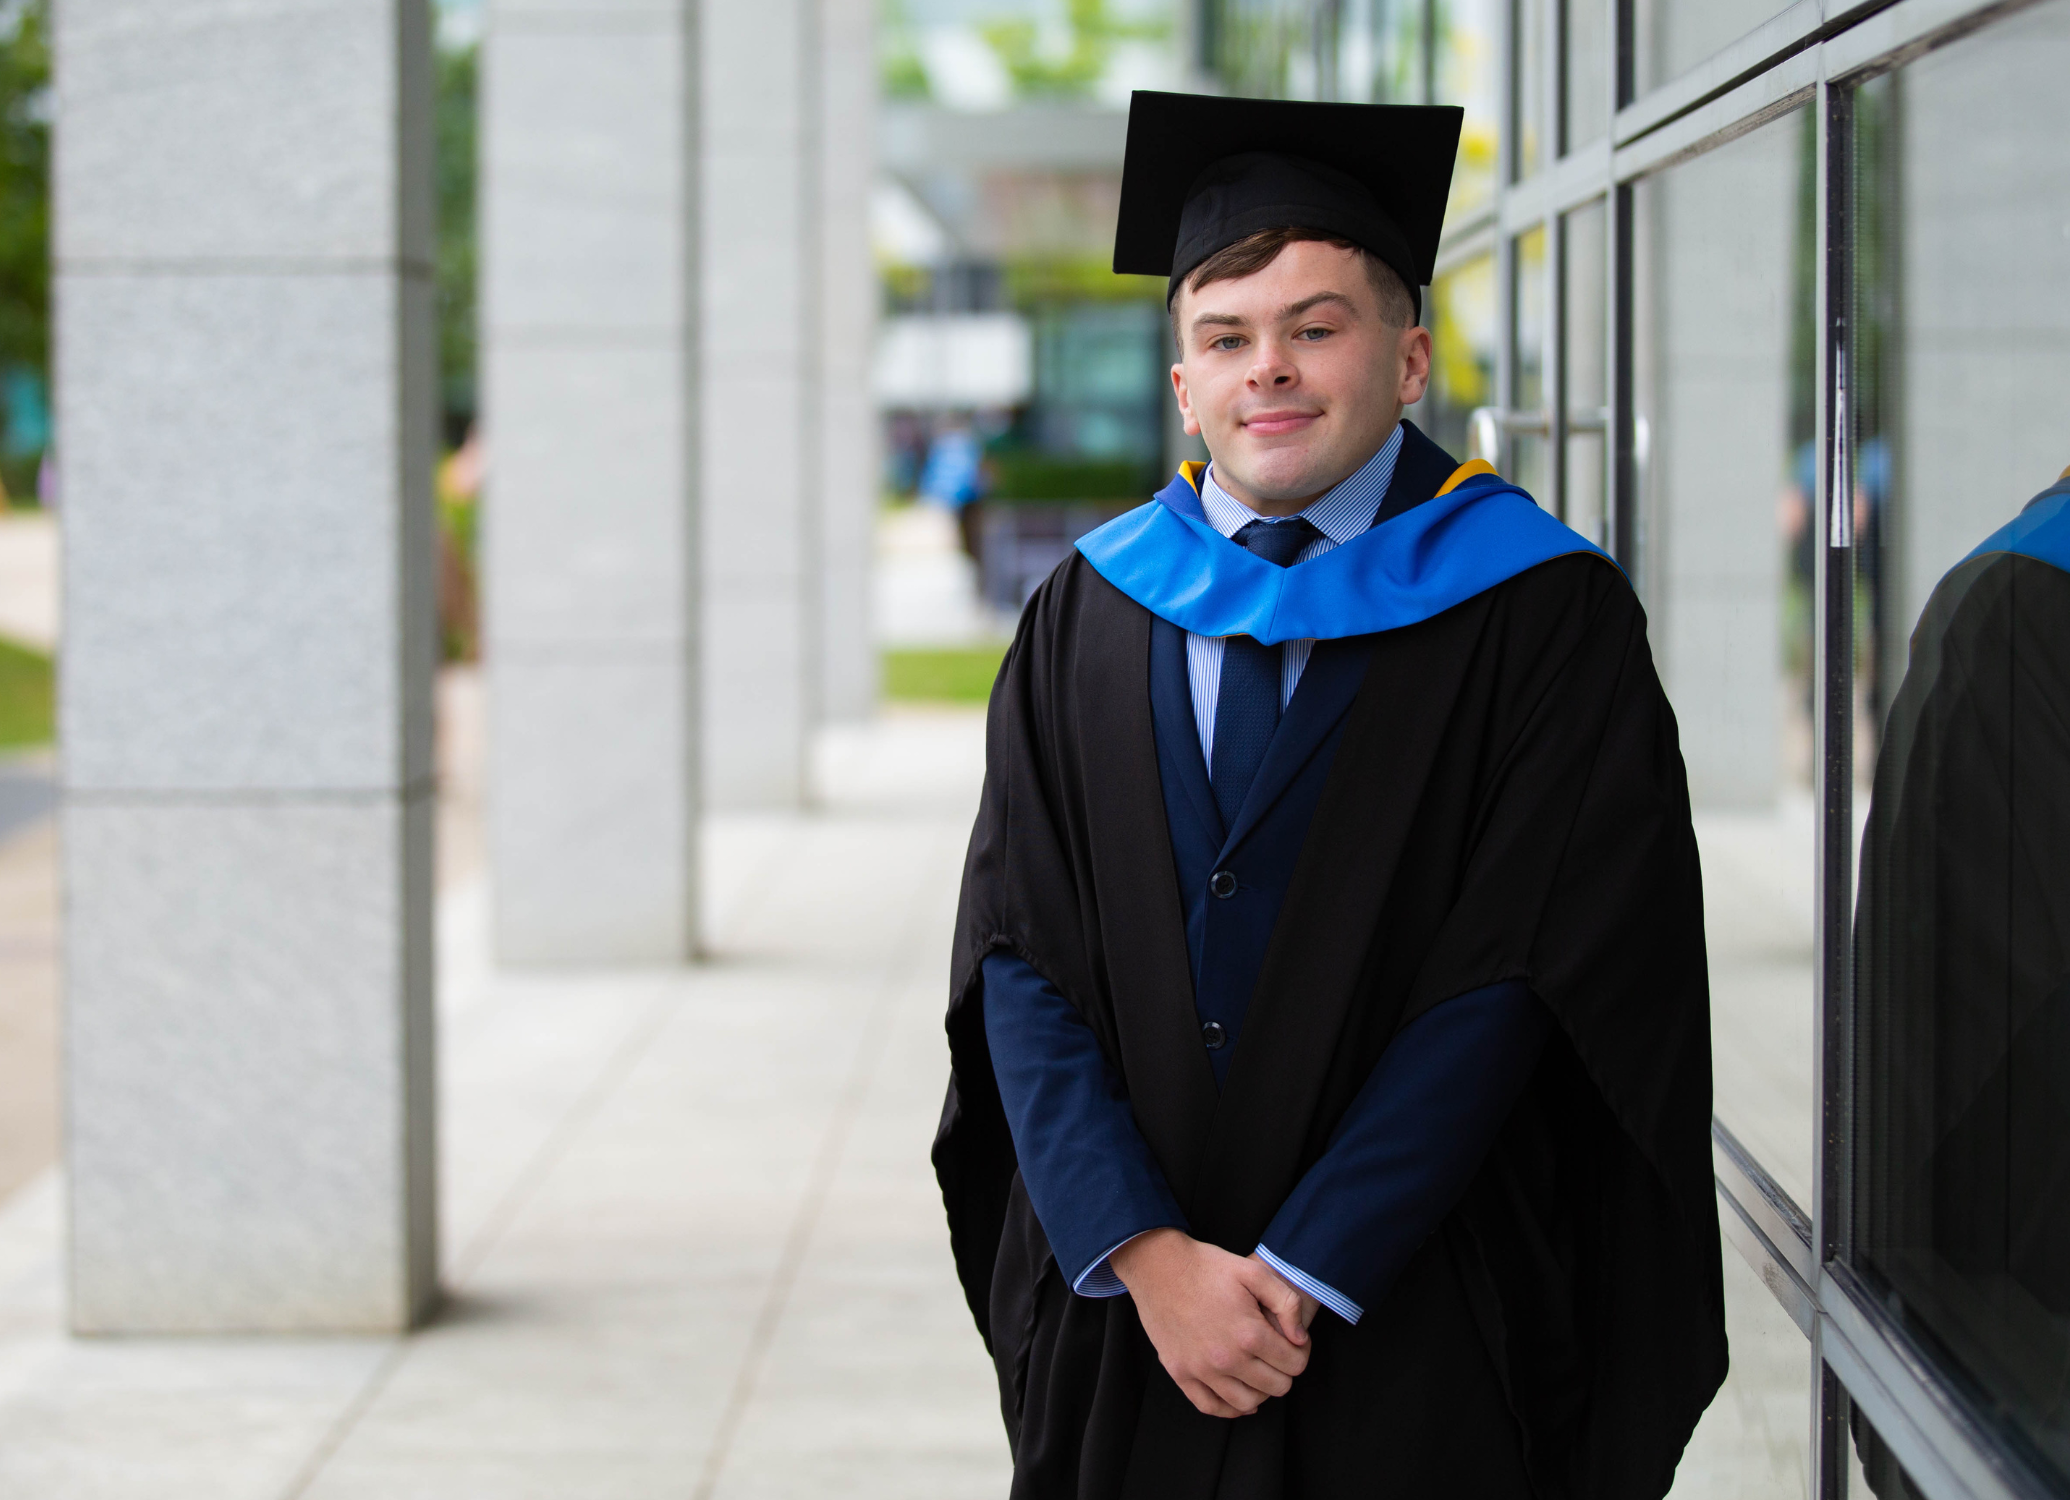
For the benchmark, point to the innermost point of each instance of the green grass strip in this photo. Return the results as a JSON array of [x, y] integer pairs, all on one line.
[[27, 698], [957, 674]]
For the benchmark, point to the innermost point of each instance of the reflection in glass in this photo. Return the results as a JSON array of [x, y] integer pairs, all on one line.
[[1523, 454], [1875, 359], [1588, 390], [1716, 342], [1872, 1469], [1962, 961], [1364, 51], [1753, 1442], [1531, 309], [1376, 52], [1532, 39], [1461, 316], [1588, 72], [1469, 47], [1962, 940], [1669, 37]]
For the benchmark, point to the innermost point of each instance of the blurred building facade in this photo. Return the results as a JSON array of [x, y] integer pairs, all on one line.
[[1003, 133]]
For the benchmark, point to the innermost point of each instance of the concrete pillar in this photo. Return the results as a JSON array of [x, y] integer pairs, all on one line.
[[847, 315], [1719, 236], [762, 448], [246, 403], [589, 268]]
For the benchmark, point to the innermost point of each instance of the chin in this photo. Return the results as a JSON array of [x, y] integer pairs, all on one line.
[[1283, 475]]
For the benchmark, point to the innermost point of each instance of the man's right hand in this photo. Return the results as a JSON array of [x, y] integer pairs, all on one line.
[[1225, 1327]]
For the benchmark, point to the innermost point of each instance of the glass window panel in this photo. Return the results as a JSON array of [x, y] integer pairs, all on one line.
[[1380, 51], [1754, 1441], [1587, 100], [1533, 37], [1962, 356], [1461, 314], [1524, 453], [1669, 37], [1717, 309], [1262, 49], [1587, 373], [1469, 49], [1873, 1472], [1531, 309]]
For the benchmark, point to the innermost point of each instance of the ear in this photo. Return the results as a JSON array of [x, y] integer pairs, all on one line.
[[1414, 354], [1192, 423]]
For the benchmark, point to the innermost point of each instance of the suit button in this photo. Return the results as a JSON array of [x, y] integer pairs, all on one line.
[[1213, 1035], [1222, 884]]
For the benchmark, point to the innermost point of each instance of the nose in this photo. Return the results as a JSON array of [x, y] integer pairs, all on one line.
[[1272, 368]]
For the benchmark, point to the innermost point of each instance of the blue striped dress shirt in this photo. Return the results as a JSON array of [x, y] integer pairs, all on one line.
[[1340, 514]]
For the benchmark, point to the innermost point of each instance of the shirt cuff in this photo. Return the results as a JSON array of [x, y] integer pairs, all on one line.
[[1099, 1279], [1321, 1291]]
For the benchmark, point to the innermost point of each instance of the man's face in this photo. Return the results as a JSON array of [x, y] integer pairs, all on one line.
[[1293, 376]]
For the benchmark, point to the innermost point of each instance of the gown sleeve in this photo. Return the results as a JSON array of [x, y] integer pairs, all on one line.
[[1089, 1174], [1413, 1138]]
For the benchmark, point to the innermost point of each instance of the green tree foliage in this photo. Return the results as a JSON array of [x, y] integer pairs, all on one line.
[[456, 243], [25, 188], [1038, 73], [903, 75], [25, 227], [1034, 282]]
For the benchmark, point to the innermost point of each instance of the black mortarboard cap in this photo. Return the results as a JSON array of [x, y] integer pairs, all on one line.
[[1203, 172]]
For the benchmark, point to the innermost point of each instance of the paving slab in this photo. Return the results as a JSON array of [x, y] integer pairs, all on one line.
[[28, 981]]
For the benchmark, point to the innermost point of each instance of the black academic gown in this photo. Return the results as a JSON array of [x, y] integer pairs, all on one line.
[[1506, 801]]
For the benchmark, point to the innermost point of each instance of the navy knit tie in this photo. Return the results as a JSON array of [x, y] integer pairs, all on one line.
[[1247, 707]]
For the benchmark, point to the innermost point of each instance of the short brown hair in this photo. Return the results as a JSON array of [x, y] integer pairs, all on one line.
[[1254, 252]]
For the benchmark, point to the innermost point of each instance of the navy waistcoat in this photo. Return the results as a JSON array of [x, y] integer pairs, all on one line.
[[1226, 936]]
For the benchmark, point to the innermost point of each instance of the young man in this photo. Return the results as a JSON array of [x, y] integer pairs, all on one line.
[[1329, 1020]]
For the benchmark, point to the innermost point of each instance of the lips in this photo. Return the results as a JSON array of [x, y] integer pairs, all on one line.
[[1273, 423]]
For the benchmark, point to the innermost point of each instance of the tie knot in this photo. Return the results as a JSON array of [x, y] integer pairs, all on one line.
[[1278, 542]]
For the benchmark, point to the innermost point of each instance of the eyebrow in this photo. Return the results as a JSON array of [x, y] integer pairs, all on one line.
[[1291, 310]]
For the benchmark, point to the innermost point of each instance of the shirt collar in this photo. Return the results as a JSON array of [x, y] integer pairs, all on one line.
[[1340, 513]]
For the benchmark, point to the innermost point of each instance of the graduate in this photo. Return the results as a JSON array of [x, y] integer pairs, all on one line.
[[1962, 977], [1329, 1019]]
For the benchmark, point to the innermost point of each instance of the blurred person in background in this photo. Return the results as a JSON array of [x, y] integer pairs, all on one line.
[[953, 478], [1330, 1106]]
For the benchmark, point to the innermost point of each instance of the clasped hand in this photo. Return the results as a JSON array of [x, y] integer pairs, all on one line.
[[1226, 1327]]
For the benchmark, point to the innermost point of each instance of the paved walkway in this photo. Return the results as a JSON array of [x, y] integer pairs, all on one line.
[[28, 970], [691, 1240]]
